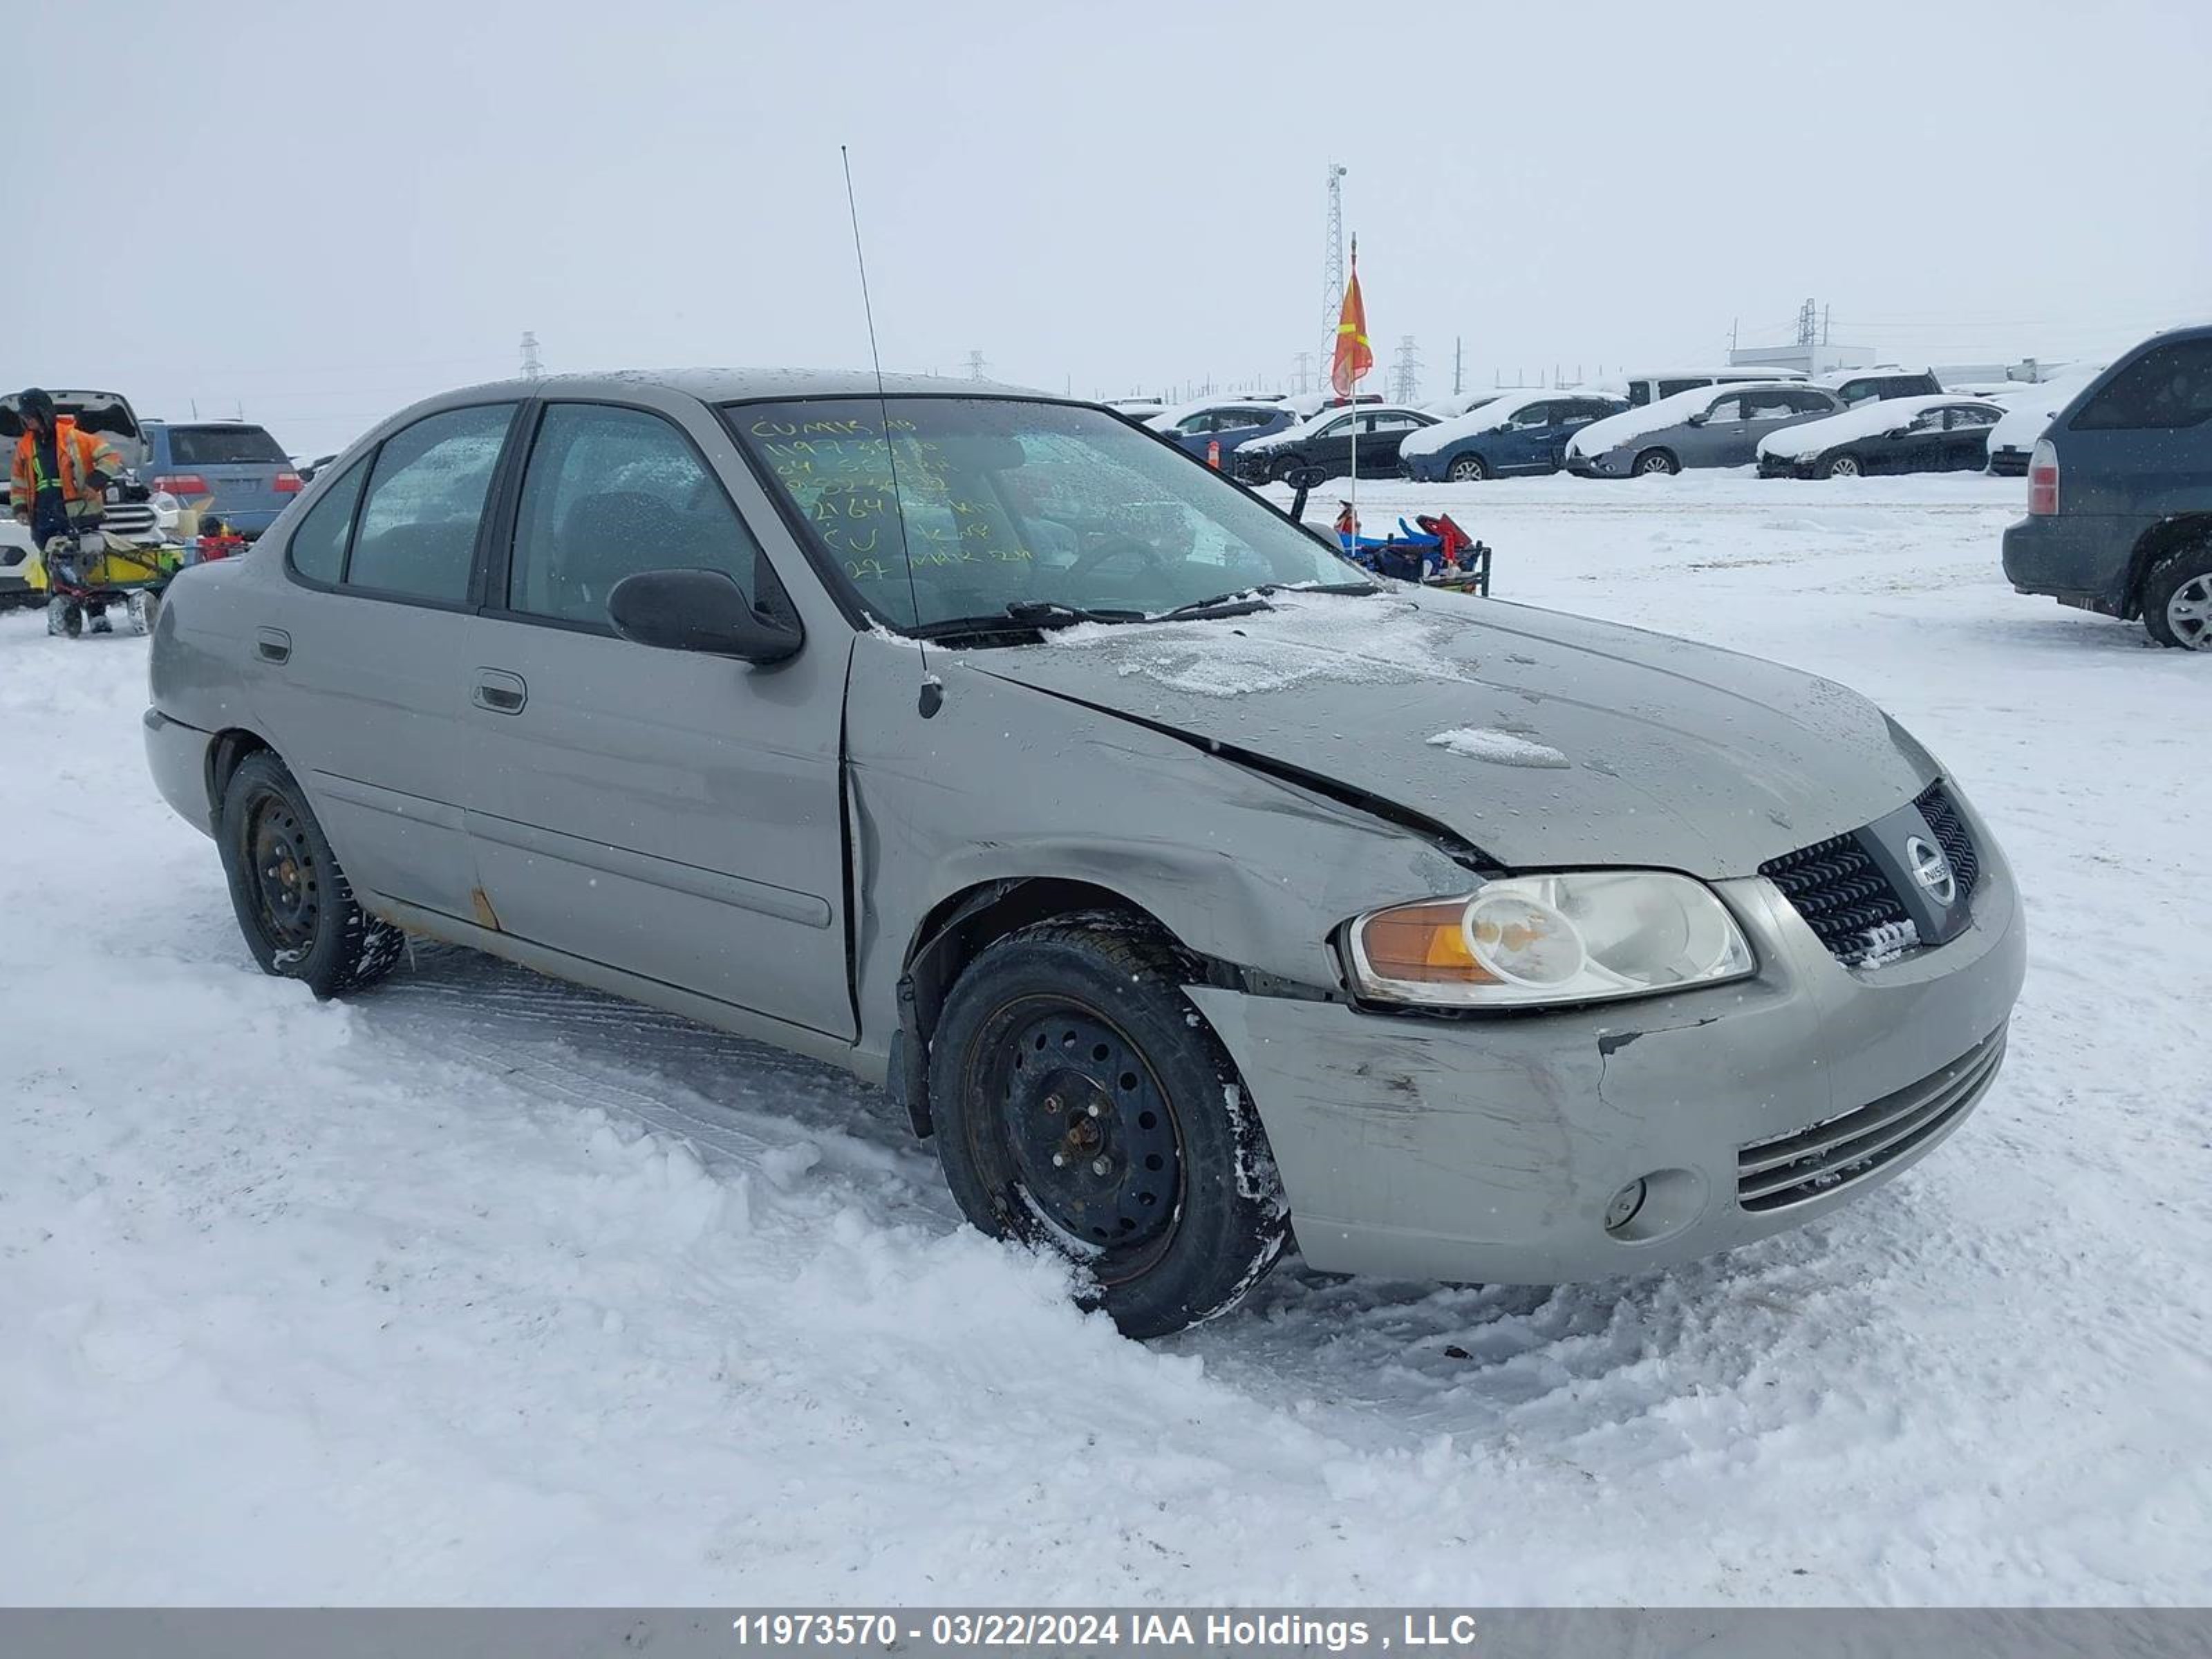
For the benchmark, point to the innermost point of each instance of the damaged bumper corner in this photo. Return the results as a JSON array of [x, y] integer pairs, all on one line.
[[1491, 1150]]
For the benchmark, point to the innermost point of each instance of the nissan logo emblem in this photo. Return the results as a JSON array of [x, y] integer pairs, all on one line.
[[1931, 869]]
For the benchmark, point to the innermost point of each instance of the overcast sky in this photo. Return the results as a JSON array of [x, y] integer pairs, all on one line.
[[318, 211]]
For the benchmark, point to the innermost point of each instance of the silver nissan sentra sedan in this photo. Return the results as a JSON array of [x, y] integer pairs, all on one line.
[[1189, 888]]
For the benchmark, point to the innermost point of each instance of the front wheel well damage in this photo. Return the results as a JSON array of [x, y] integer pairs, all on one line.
[[959, 929]]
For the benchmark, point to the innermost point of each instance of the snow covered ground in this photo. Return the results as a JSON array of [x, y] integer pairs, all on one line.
[[481, 1289]]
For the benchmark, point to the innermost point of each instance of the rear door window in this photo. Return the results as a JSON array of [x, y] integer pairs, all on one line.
[[425, 503], [2166, 387], [224, 446], [1669, 388], [1962, 419], [317, 546]]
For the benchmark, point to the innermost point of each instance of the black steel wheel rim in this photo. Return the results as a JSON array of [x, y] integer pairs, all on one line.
[[286, 882], [1090, 1141]]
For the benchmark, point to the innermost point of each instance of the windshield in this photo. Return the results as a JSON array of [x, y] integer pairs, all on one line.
[[1013, 504]]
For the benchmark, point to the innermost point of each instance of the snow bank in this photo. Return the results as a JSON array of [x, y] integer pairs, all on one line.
[[1500, 748], [1865, 420], [1494, 413], [1630, 424]]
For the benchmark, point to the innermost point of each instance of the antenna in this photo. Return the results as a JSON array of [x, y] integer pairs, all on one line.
[[932, 691]]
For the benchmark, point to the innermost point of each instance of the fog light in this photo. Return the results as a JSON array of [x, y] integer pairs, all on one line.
[[1624, 1205]]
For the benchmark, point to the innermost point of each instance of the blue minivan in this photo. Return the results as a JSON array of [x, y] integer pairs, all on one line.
[[235, 471]]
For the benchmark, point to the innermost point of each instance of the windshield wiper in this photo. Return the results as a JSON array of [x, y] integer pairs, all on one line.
[[1021, 617], [1243, 601]]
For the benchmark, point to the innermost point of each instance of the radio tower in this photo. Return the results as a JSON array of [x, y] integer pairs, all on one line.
[[1406, 371], [1332, 268], [533, 369], [976, 365]]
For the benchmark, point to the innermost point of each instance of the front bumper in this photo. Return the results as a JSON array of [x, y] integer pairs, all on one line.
[[1489, 1151], [1607, 465], [2081, 559]]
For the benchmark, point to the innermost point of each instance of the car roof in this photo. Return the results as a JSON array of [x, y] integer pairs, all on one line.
[[1740, 371], [716, 385]]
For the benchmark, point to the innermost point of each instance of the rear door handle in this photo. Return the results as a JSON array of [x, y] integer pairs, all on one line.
[[500, 691], [272, 645]]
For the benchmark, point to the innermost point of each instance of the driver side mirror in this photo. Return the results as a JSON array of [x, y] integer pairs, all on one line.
[[700, 610], [1700, 418]]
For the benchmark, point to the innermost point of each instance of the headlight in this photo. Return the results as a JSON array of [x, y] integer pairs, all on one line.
[[1576, 938]]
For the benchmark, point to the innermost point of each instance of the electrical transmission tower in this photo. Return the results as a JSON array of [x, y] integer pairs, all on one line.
[[1302, 371], [1332, 265], [533, 369], [1808, 332], [1406, 370], [976, 365]]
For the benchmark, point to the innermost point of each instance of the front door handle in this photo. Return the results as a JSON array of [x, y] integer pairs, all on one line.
[[500, 691], [272, 645]]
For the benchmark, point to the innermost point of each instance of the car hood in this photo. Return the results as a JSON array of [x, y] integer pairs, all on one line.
[[1546, 740]]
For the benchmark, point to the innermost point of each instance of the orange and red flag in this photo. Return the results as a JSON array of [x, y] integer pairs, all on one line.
[[1353, 356]]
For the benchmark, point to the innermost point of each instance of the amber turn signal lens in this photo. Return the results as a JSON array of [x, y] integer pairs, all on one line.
[[1422, 943]]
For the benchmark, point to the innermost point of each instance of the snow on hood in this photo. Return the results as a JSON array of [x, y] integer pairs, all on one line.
[[1670, 754], [1630, 424], [1867, 420], [1493, 414], [2029, 415], [1313, 423]]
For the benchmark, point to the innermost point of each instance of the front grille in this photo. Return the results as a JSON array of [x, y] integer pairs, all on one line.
[[1844, 898], [132, 520], [1817, 1162], [1935, 805]]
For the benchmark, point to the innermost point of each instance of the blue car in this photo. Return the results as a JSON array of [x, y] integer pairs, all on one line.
[[1520, 432], [236, 472], [1231, 423]]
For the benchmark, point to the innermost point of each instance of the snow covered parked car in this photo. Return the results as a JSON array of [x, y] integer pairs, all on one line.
[[1519, 432], [2029, 410], [1938, 434], [1330, 442], [1705, 426], [1187, 886]]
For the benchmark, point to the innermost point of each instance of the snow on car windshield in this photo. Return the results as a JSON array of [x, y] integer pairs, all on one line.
[[1865, 420], [977, 503]]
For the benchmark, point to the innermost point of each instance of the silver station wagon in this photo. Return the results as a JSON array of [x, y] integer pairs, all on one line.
[[1190, 889]]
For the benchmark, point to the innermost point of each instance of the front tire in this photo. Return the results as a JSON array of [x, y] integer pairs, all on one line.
[[1279, 472], [294, 903], [2177, 599], [1080, 1105], [1466, 469], [1656, 463], [65, 617], [1842, 466]]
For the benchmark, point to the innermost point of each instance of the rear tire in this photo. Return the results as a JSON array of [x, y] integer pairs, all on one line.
[[1655, 463], [2176, 598], [294, 903], [1080, 1105], [1466, 469], [141, 608]]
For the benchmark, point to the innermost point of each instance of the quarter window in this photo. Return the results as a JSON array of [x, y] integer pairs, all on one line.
[[426, 497], [318, 545], [2168, 386], [610, 492]]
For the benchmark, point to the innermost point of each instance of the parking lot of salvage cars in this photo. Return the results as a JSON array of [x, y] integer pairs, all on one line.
[[483, 1288]]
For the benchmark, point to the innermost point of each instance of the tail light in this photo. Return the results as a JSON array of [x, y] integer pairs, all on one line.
[[288, 483], [183, 484], [2043, 479]]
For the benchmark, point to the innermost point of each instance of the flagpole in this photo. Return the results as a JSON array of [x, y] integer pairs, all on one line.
[[1354, 395]]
